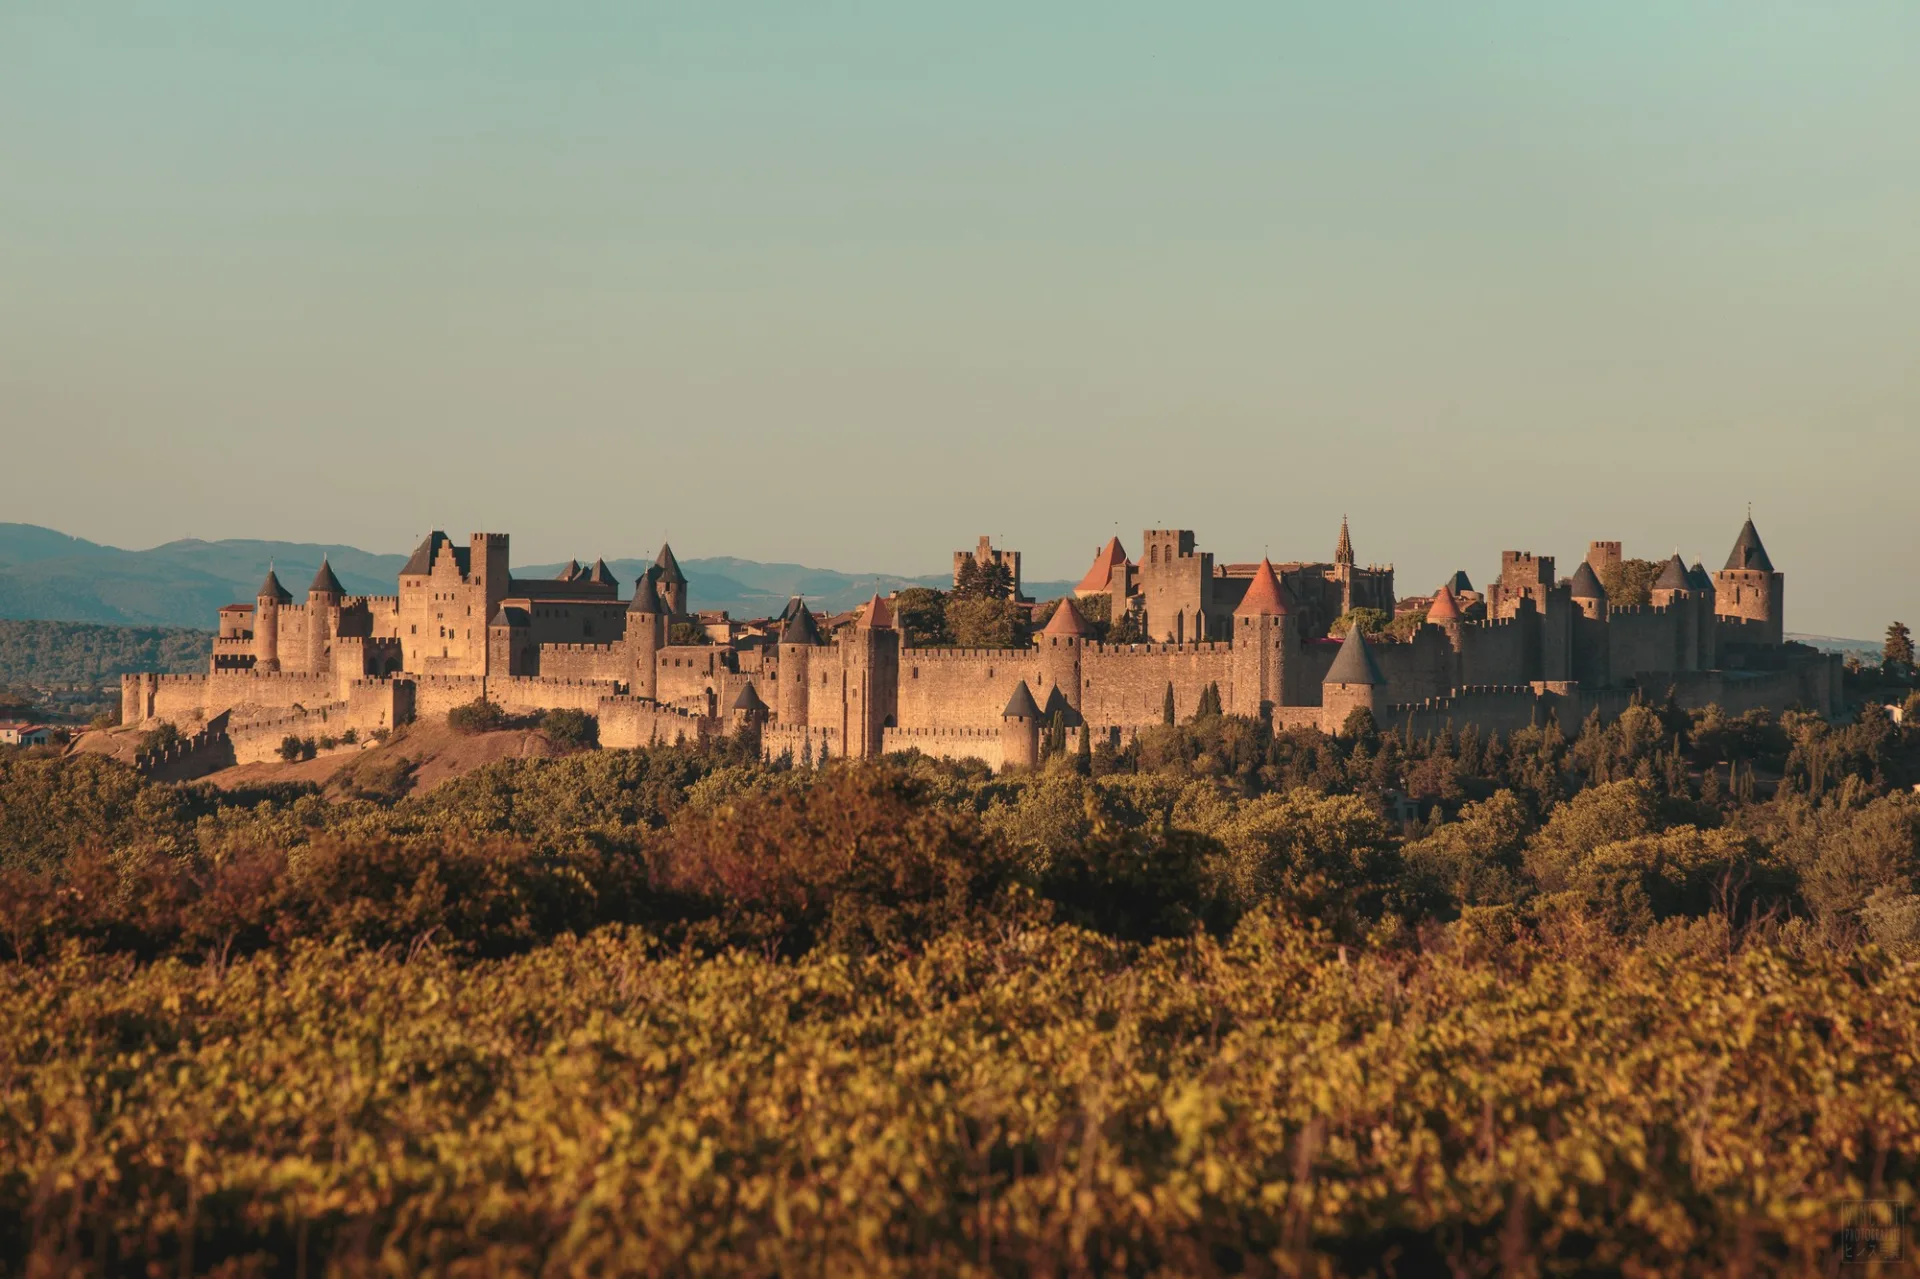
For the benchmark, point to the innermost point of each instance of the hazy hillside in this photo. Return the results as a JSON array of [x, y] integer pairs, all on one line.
[[43, 653], [47, 574]]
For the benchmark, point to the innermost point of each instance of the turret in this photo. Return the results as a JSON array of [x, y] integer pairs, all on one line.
[[1445, 613], [510, 646], [1748, 590], [1592, 640], [1020, 731], [1262, 638], [323, 617], [1673, 583], [747, 714], [670, 581], [798, 639], [1353, 681], [1060, 642], [1589, 596], [646, 636], [266, 622]]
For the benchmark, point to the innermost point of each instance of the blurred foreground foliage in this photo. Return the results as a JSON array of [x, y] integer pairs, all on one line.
[[1642, 999]]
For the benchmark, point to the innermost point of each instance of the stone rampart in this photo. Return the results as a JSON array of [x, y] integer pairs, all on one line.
[[435, 695], [824, 742], [946, 743], [586, 661], [963, 687], [1126, 684], [627, 723], [1644, 638], [521, 694]]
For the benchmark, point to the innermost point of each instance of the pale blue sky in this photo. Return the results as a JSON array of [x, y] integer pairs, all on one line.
[[851, 284]]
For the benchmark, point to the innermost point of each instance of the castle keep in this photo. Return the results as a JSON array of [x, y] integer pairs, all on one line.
[[461, 627]]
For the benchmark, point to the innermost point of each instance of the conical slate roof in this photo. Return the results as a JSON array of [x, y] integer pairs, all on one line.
[[1459, 583], [669, 567], [1055, 703], [324, 582], [1066, 621], [1674, 576], [646, 599], [876, 616], [603, 575], [570, 572], [749, 700], [1699, 577], [800, 627], [1263, 597], [1748, 553], [1444, 607], [1343, 550], [1586, 583], [1354, 664], [1021, 705], [1105, 561], [272, 590]]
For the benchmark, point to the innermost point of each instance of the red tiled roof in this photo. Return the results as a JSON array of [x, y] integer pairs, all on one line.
[[1105, 560], [1443, 609], [1263, 597], [1066, 620]]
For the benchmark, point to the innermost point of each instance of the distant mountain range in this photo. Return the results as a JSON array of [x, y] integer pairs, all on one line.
[[48, 574]]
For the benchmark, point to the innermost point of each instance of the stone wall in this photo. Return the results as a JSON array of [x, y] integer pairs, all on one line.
[[524, 694], [963, 687], [1126, 684], [435, 695], [1496, 652], [984, 744], [627, 723], [585, 661], [1643, 639]]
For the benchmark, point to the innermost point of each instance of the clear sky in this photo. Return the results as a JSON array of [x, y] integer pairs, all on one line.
[[851, 284]]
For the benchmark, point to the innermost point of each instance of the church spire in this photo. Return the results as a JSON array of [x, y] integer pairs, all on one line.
[[1343, 553]]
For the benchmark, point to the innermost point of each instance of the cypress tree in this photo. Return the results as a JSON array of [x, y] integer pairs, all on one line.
[[1166, 707]]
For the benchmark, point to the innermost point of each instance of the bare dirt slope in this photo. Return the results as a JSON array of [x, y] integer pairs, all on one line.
[[436, 752], [120, 744]]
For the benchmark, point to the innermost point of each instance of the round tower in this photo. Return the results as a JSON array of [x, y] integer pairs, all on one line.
[[747, 714], [1060, 643], [266, 622], [1592, 649], [1748, 591], [646, 636], [798, 638], [323, 617], [1020, 731], [1262, 632], [1353, 681], [1445, 613], [1589, 596]]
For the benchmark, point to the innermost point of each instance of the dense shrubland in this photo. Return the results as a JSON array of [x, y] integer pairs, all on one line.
[[1641, 999]]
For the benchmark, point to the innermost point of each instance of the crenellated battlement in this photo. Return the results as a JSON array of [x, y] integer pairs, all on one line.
[[942, 654], [1167, 649]]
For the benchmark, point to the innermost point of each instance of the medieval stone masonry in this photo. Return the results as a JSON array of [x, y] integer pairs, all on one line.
[[461, 627]]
